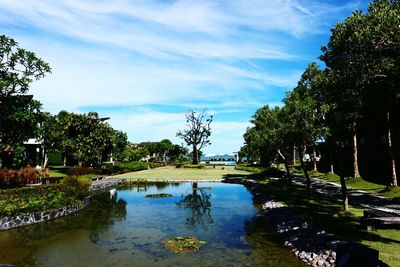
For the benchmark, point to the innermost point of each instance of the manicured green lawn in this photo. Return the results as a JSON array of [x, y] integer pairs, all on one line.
[[360, 183], [58, 171], [171, 173]]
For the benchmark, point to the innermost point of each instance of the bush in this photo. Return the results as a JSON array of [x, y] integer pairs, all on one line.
[[70, 191], [125, 167], [154, 165], [55, 158], [76, 187], [193, 166], [82, 171], [11, 177]]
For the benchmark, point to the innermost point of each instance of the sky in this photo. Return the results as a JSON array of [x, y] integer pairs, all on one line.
[[145, 63]]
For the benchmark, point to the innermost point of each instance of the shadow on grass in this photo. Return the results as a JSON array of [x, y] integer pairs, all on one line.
[[324, 212]]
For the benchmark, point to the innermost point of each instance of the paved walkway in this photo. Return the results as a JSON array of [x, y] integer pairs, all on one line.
[[104, 183], [358, 197]]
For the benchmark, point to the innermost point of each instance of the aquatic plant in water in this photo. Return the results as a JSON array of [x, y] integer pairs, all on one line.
[[158, 195], [183, 244]]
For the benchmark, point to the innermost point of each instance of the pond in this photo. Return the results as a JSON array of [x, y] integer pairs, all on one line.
[[125, 228]]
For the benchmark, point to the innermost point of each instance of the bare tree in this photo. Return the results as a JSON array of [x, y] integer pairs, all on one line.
[[198, 132]]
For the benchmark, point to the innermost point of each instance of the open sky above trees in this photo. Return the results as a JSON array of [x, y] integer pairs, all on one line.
[[144, 63]]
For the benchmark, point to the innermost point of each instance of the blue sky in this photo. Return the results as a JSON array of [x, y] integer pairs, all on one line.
[[144, 63]]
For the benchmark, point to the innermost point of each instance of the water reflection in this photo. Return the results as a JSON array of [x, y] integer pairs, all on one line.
[[199, 205], [123, 228]]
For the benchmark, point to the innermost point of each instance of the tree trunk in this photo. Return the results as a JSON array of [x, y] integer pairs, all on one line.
[[195, 156], [285, 162], [294, 155], [390, 147], [345, 198], [45, 160], [332, 170], [65, 159], [314, 159], [303, 166], [355, 152]]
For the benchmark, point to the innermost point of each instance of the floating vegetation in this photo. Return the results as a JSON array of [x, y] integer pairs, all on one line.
[[183, 244], [162, 195]]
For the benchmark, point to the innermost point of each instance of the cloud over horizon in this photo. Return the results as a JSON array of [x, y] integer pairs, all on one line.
[[143, 63]]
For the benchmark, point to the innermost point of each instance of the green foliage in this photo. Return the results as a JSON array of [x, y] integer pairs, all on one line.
[[76, 187], [82, 171], [193, 166], [86, 138], [183, 244], [326, 213], [154, 165], [55, 157], [258, 169], [125, 167], [134, 153], [176, 153], [20, 113], [71, 191], [161, 195]]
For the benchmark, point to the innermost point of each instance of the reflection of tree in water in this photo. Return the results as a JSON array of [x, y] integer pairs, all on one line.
[[108, 209], [198, 202]]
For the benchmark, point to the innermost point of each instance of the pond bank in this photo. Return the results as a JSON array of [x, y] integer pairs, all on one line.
[[14, 221], [311, 245]]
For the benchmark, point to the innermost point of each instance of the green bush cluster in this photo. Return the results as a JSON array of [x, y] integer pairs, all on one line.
[[193, 166], [70, 191], [154, 165], [125, 167]]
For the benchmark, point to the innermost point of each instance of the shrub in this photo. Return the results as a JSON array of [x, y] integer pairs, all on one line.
[[70, 191], [76, 187], [82, 171], [11, 177], [178, 165], [125, 167], [154, 165], [193, 166], [28, 175]]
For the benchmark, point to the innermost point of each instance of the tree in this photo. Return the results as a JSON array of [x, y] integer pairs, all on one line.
[[302, 115], [20, 113], [134, 152], [176, 151], [198, 132], [162, 148], [379, 61], [85, 138]]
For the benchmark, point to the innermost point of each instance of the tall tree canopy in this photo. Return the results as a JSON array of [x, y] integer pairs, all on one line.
[[20, 113]]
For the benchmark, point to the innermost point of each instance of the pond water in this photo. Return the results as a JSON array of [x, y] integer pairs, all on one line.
[[126, 229]]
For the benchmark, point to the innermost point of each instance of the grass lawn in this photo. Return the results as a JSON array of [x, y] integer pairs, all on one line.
[[171, 173], [328, 215], [360, 183]]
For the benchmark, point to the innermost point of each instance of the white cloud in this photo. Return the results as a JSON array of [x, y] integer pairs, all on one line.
[[223, 55]]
